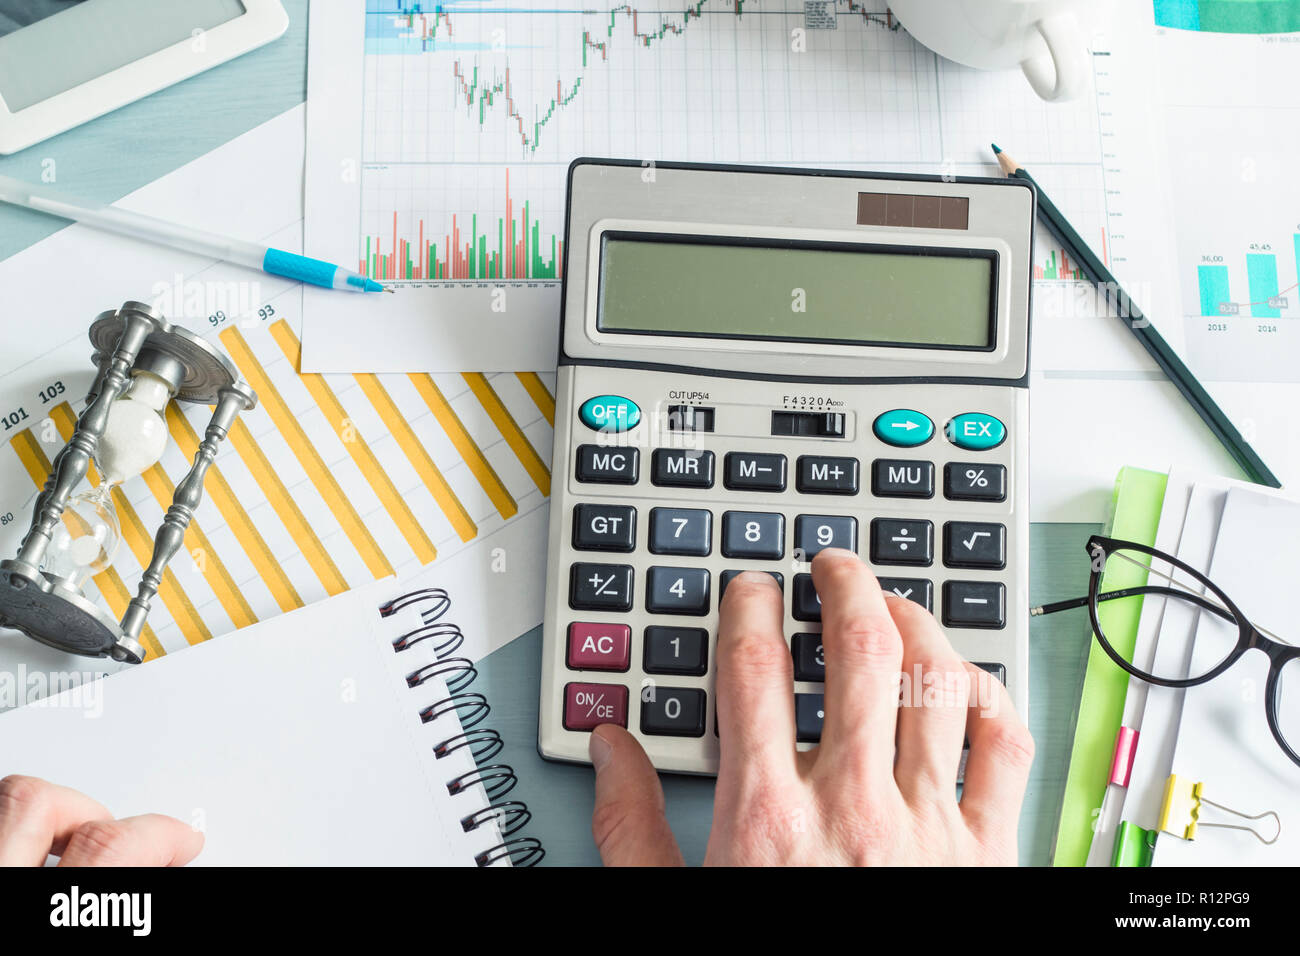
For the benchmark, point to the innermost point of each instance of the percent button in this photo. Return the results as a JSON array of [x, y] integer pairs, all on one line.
[[973, 481]]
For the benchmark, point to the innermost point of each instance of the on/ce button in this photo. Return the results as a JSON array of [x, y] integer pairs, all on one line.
[[587, 706]]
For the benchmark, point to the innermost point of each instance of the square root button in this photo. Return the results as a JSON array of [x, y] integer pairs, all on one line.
[[599, 647], [587, 706]]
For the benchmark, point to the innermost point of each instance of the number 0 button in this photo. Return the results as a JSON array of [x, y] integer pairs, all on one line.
[[673, 711]]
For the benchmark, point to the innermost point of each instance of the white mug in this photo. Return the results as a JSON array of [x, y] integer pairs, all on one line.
[[1045, 38]]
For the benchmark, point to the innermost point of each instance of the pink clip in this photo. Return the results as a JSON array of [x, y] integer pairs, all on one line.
[[1121, 767]]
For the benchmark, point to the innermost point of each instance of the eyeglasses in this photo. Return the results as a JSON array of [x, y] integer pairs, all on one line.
[[1221, 639]]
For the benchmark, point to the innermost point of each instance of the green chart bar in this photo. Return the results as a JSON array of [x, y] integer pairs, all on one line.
[[1261, 271], [1213, 282]]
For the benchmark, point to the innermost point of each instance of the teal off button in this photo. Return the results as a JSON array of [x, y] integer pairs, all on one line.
[[903, 427], [976, 431], [609, 413]]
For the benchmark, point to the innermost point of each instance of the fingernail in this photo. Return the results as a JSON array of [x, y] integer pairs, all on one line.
[[600, 750]]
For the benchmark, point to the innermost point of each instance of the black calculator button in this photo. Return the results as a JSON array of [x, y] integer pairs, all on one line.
[[997, 670], [972, 481], [974, 604], [676, 650], [814, 532], [682, 468], [809, 715], [747, 471], [753, 534], [608, 464], [809, 662], [677, 591], [725, 578], [672, 711], [604, 527], [690, 418], [600, 587], [805, 605], [918, 590], [819, 475], [974, 544], [901, 478], [681, 531], [902, 541]]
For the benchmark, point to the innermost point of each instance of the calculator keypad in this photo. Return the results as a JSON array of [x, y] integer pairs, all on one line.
[[651, 547]]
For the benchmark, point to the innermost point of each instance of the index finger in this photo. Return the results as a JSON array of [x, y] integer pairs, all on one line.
[[755, 681], [38, 817]]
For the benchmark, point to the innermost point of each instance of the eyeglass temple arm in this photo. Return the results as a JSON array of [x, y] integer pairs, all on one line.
[[1204, 602]]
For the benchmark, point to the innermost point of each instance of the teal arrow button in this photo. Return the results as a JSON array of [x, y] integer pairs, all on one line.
[[976, 431], [609, 413], [904, 427]]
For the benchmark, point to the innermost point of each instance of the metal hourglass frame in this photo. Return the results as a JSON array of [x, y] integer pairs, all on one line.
[[134, 338]]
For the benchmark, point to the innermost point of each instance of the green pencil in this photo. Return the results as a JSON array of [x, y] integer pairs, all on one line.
[[1151, 340]]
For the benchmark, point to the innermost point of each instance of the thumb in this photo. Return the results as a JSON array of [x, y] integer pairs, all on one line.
[[628, 820]]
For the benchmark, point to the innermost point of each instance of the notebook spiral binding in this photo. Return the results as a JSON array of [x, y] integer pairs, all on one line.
[[458, 673]]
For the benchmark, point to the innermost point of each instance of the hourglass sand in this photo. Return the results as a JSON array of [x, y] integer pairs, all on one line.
[[144, 363]]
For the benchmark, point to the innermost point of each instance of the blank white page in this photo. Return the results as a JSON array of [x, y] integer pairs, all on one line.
[[293, 741]]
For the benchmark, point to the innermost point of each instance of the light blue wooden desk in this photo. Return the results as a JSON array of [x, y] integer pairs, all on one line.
[[123, 151]]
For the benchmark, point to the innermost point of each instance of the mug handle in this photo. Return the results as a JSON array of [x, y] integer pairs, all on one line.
[[1061, 73]]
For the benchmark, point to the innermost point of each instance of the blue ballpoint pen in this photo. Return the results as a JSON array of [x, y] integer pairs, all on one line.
[[139, 226]]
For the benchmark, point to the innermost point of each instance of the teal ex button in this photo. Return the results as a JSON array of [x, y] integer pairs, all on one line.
[[609, 413], [976, 431], [903, 427]]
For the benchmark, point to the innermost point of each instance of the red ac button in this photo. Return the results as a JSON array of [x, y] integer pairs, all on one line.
[[599, 647]]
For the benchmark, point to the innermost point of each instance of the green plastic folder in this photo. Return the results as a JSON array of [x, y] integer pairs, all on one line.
[[1135, 515]]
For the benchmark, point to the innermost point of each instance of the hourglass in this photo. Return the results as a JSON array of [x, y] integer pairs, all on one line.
[[143, 363]]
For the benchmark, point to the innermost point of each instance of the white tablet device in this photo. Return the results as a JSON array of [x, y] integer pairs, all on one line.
[[64, 63]]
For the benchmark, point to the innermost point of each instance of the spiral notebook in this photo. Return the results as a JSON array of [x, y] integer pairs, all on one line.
[[342, 733]]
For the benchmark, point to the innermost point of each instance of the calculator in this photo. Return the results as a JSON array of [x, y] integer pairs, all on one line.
[[757, 363]]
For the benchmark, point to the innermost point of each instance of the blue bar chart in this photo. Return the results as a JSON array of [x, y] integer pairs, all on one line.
[[1264, 299]]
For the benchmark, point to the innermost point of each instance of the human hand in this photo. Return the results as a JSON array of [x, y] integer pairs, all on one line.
[[880, 789], [38, 819]]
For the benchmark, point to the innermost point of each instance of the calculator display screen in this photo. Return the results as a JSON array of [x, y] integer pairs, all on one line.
[[797, 291]]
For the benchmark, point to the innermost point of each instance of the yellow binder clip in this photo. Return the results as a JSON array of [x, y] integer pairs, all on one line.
[[1181, 809]]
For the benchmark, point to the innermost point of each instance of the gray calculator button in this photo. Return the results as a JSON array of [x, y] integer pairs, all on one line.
[[805, 605], [607, 465], [676, 650], [902, 541], [974, 481], [814, 532], [681, 531], [682, 468], [726, 577], [753, 534], [750, 471], [600, 587], [974, 544], [974, 604], [677, 591], [809, 661], [819, 475], [809, 715], [997, 670], [918, 590], [902, 478], [673, 711], [604, 527]]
